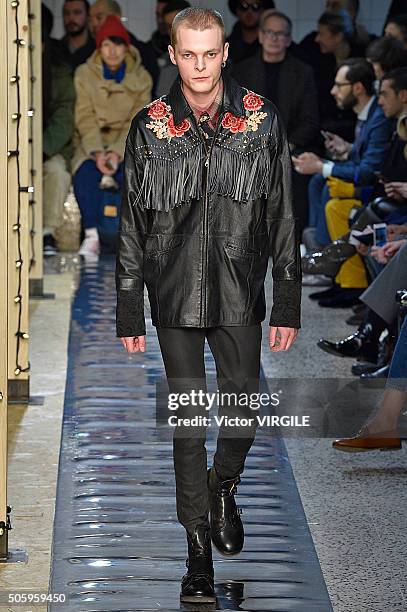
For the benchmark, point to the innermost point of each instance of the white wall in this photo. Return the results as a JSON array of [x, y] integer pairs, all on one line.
[[304, 13]]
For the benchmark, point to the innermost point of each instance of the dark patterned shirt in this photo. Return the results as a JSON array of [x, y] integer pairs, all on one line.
[[208, 118]]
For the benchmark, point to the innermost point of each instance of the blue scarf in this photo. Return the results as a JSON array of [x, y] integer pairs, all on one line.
[[118, 76]]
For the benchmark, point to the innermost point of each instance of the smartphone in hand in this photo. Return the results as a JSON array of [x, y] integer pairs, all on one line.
[[380, 234]]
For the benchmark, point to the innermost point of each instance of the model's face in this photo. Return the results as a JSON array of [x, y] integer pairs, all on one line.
[[75, 17], [112, 54], [97, 15], [327, 41], [342, 90], [161, 25], [248, 12], [273, 36], [199, 56], [390, 102]]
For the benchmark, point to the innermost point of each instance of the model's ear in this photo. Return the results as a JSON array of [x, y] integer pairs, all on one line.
[[225, 51], [171, 52]]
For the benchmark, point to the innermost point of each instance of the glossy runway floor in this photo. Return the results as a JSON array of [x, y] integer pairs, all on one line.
[[117, 543]]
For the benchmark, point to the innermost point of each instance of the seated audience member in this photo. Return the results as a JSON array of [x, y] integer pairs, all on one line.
[[111, 88], [386, 54], [289, 83], [243, 39], [396, 26], [58, 99], [325, 51], [77, 44], [283, 79], [169, 71], [98, 13], [381, 313], [361, 36], [392, 189], [381, 429], [354, 88], [159, 39]]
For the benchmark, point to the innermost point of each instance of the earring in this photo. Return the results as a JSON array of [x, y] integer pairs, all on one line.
[[223, 64]]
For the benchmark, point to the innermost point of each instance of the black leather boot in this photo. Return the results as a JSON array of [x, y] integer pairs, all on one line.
[[359, 344], [226, 526], [197, 586]]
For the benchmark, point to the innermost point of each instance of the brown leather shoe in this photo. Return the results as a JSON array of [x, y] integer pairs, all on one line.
[[366, 441]]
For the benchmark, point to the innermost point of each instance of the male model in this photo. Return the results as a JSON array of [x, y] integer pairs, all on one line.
[[206, 199]]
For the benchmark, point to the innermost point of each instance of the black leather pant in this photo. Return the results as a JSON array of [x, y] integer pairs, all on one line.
[[236, 351]]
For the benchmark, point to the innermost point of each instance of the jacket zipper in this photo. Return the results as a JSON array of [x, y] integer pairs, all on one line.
[[202, 315]]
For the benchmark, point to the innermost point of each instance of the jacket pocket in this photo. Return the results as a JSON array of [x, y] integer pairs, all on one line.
[[156, 258], [241, 251], [165, 247]]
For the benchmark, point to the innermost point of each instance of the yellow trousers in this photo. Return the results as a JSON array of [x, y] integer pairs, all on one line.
[[352, 274]]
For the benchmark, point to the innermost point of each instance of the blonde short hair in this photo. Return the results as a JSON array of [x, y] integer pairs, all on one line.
[[197, 19]]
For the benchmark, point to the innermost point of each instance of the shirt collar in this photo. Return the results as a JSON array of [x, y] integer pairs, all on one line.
[[211, 110], [232, 99], [364, 113]]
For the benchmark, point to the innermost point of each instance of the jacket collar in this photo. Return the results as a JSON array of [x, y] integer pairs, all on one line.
[[232, 99]]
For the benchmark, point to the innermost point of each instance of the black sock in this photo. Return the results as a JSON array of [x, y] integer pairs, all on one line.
[[378, 325]]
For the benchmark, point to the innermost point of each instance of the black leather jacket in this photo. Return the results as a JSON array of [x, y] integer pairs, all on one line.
[[198, 223]]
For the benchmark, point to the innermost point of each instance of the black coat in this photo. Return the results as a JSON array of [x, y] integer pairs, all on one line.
[[198, 224], [297, 98]]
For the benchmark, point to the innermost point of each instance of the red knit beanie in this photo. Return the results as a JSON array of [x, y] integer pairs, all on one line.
[[112, 26]]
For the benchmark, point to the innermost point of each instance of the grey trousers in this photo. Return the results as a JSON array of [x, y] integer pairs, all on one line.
[[380, 295]]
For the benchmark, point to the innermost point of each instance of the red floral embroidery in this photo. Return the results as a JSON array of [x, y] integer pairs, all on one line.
[[252, 101], [177, 130], [234, 124], [158, 110]]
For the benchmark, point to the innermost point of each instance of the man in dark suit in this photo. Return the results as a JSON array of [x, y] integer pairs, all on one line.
[[283, 79], [289, 83], [355, 163], [243, 39]]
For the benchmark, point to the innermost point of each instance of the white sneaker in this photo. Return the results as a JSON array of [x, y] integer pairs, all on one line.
[[316, 280], [90, 247]]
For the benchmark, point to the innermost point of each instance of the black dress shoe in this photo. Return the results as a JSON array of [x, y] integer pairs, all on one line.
[[340, 250], [355, 320], [343, 299], [356, 345], [376, 378], [318, 263], [363, 367], [327, 293], [226, 525], [197, 586]]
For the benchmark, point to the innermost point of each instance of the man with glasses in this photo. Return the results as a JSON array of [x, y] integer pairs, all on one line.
[[244, 40], [352, 164], [289, 83]]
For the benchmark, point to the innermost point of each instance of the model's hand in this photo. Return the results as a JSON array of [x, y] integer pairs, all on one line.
[[281, 338], [307, 163], [134, 344]]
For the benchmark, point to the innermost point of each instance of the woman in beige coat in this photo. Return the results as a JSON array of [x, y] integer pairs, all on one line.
[[111, 88]]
